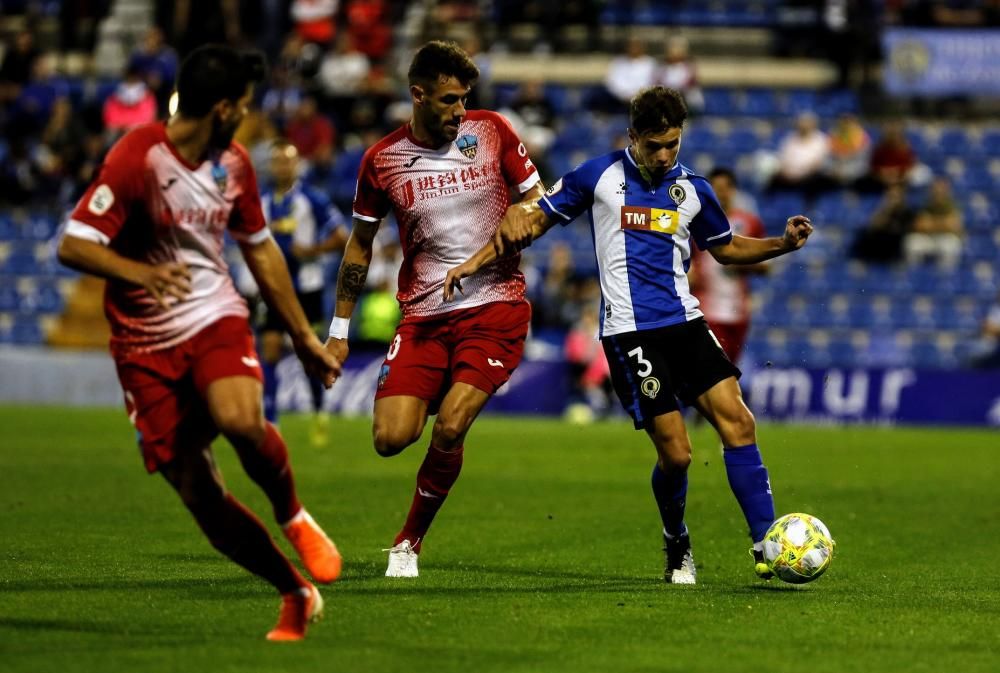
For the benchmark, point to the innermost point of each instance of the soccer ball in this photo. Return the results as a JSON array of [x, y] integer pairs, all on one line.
[[798, 548]]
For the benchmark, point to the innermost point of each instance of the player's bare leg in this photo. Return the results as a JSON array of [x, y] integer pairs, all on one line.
[[398, 422], [437, 474], [669, 480], [237, 533], [234, 403], [725, 409]]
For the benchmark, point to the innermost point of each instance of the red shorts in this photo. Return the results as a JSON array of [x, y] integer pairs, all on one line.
[[480, 346], [731, 337], [165, 389]]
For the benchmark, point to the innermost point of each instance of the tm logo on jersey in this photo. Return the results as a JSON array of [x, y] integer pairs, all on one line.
[[650, 219], [468, 144]]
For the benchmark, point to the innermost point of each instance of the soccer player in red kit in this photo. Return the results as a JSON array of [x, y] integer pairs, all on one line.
[[446, 175], [152, 224], [723, 292]]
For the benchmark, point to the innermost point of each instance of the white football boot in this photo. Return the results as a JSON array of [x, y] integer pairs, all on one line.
[[402, 561]]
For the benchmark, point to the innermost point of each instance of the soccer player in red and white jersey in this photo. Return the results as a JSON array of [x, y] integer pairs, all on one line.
[[446, 175], [724, 291], [152, 224]]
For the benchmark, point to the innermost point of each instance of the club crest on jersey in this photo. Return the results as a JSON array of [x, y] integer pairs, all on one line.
[[221, 176], [383, 375], [468, 144], [676, 193]]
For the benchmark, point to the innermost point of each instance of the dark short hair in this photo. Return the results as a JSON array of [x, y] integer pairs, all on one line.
[[215, 72], [723, 172], [656, 109], [439, 59]]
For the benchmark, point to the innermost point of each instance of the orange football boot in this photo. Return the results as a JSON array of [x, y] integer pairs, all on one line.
[[298, 610], [317, 551]]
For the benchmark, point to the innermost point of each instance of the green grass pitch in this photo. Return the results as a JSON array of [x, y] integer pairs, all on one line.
[[545, 558]]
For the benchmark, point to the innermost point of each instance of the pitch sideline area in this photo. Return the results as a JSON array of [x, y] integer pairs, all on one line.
[[545, 558]]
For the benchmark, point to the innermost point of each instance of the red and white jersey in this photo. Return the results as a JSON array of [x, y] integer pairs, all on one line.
[[448, 202], [723, 292], [149, 204]]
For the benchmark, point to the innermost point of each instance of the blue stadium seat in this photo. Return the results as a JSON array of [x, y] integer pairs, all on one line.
[[759, 103], [718, 102], [9, 231], [742, 140], [26, 331], [955, 142], [801, 100], [47, 298], [21, 261], [10, 299]]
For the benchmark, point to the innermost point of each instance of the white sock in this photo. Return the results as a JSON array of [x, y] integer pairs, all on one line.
[[299, 517]]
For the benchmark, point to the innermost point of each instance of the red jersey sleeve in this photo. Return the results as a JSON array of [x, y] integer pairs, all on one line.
[[371, 202], [246, 223], [755, 228], [514, 160], [119, 184]]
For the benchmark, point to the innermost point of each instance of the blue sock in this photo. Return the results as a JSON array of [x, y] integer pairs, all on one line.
[[670, 490], [270, 391], [752, 488]]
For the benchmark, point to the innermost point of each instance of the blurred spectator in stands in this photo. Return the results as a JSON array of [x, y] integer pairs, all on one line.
[[309, 129], [129, 105], [986, 348], [78, 22], [60, 153], [18, 64], [33, 107], [532, 115], [850, 150], [556, 294], [724, 291], [802, 157], [157, 61], [343, 76], [893, 160], [481, 96], [590, 376], [368, 23], [19, 178], [882, 240], [315, 20], [283, 97], [191, 23], [627, 73], [677, 71], [938, 231]]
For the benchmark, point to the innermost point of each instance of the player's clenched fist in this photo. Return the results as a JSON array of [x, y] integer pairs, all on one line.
[[337, 348], [797, 230]]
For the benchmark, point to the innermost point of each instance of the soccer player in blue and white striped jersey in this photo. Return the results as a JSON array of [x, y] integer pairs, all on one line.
[[645, 209]]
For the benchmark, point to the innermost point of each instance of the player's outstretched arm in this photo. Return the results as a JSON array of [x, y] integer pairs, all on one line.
[[267, 264], [169, 279], [744, 250], [350, 284], [522, 224]]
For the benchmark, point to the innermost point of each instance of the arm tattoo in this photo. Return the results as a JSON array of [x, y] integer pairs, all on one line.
[[351, 281]]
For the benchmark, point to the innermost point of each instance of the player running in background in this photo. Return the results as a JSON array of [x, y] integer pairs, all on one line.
[[723, 292], [446, 175], [152, 223], [306, 226], [645, 209]]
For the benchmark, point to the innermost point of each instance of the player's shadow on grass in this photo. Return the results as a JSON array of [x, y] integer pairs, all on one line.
[[226, 588], [28, 624]]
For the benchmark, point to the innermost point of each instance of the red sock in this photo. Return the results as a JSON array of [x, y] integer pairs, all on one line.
[[237, 533], [270, 469], [435, 478]]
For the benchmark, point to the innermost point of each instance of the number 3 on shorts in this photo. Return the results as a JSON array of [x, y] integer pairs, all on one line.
[[394, 348], [645, 366]]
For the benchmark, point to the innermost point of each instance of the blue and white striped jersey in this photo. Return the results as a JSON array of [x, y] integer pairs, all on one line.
[[305, 216], [642, 236]]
